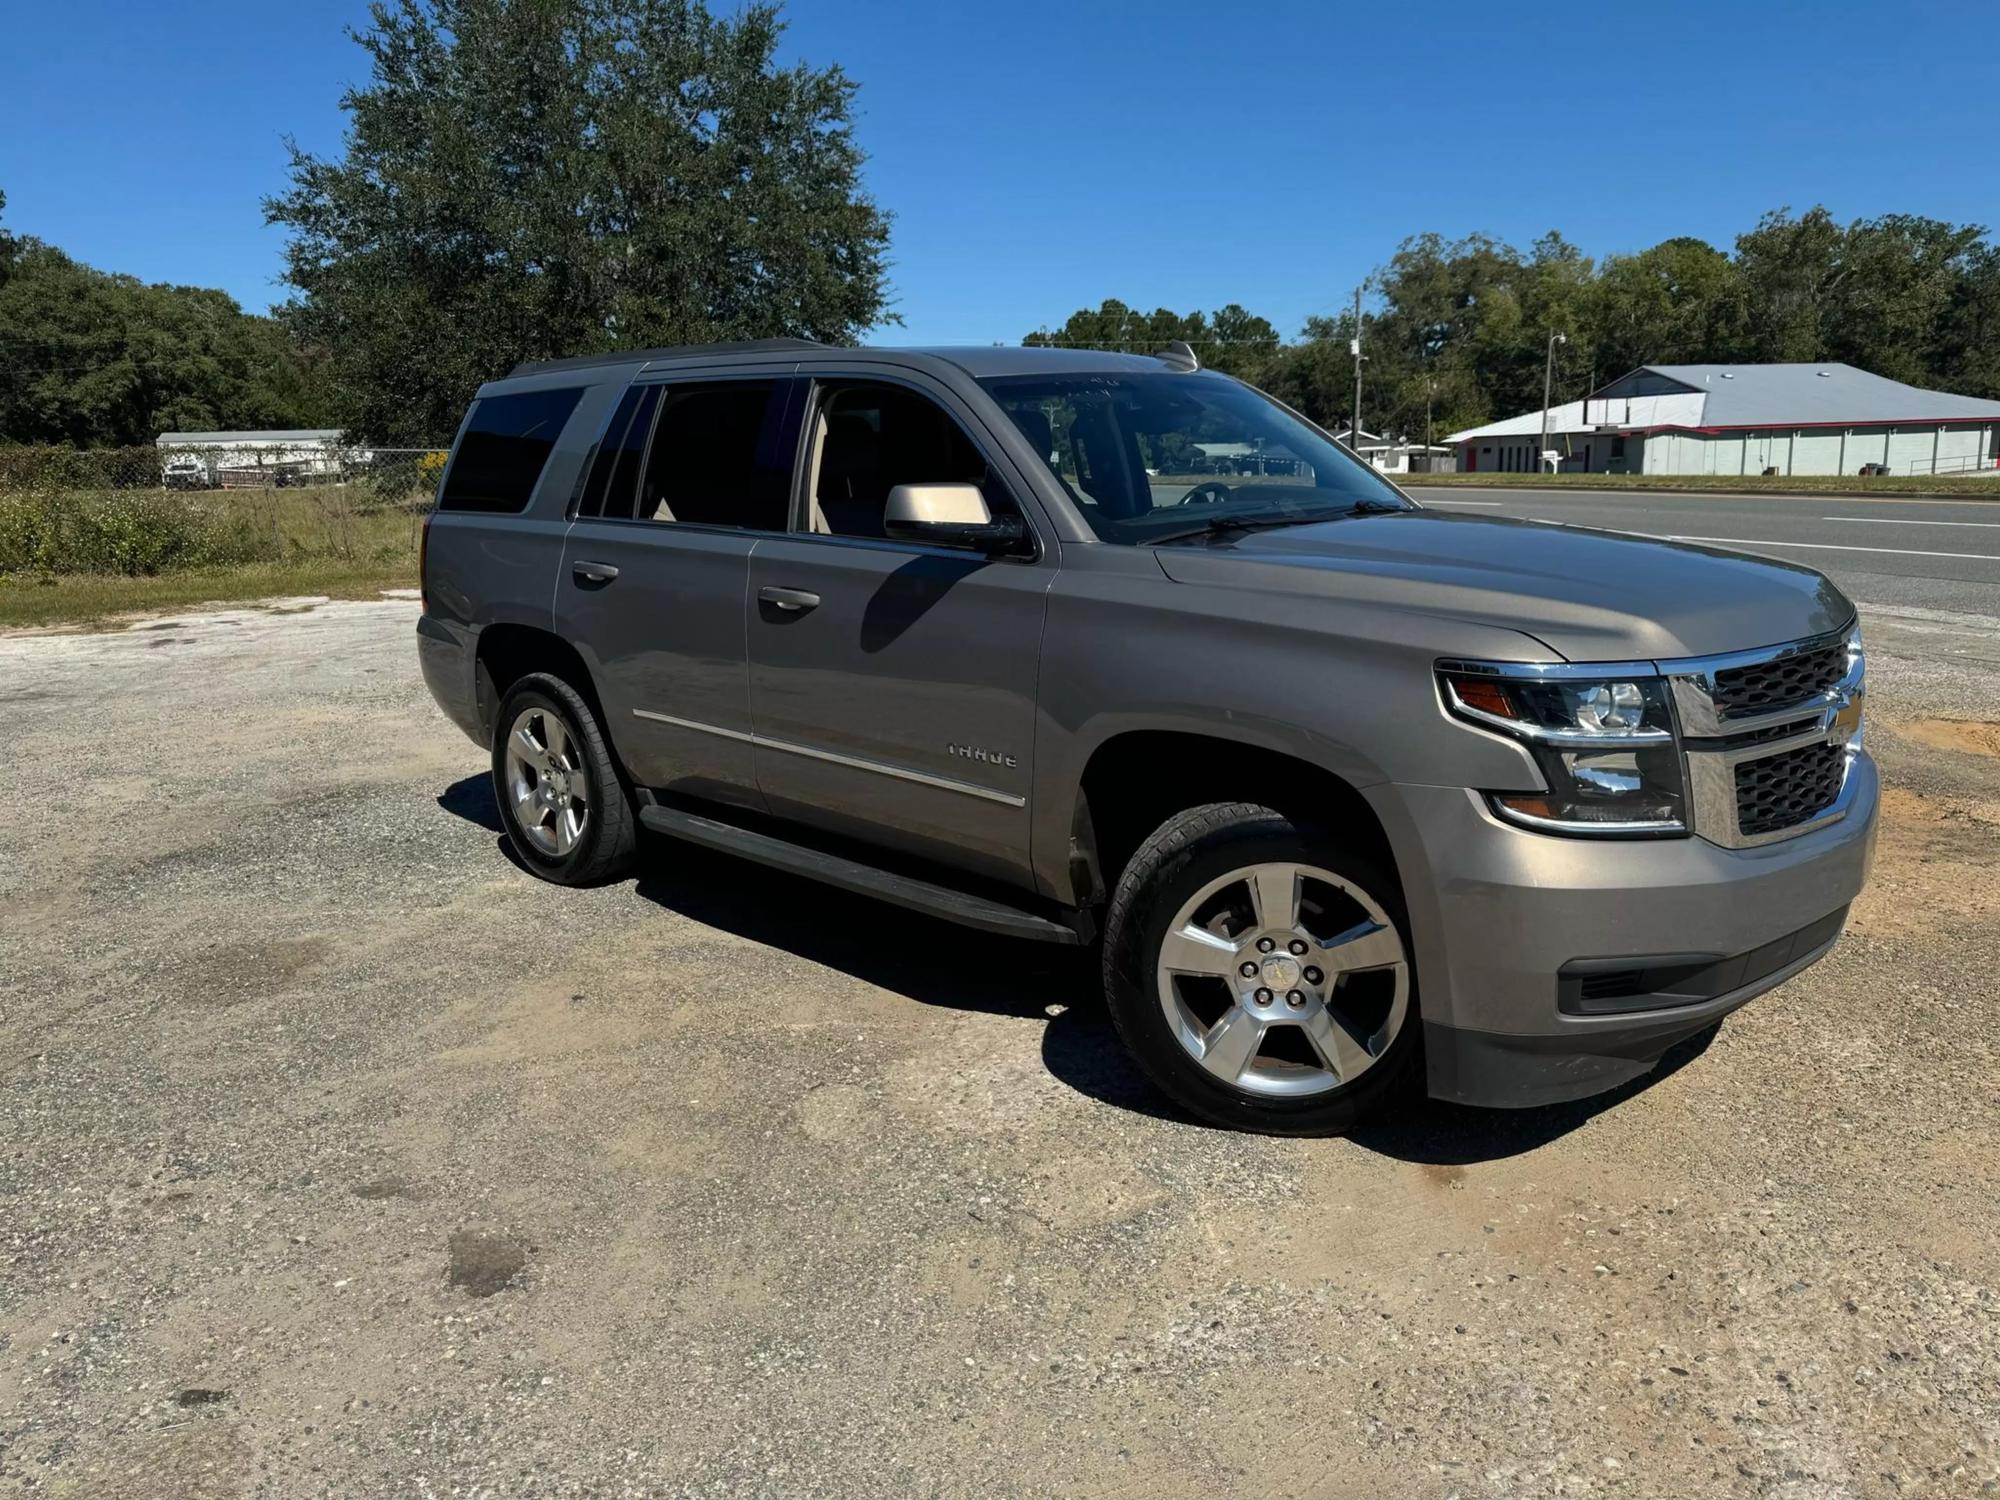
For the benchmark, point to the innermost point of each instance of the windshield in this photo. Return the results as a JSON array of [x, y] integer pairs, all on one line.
[[1149, 457]]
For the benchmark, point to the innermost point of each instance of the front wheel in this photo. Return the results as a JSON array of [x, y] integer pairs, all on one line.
[[1258, 972], [565, 808]]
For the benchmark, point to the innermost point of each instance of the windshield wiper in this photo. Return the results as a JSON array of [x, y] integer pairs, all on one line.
[[1225, 525], [1228, 525]]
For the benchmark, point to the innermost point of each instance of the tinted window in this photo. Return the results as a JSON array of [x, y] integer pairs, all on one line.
[[614, 478], [506, 443], [875, 437], [718, 457]]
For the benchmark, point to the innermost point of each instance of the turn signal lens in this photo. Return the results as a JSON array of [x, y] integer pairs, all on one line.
[[1487, 696]]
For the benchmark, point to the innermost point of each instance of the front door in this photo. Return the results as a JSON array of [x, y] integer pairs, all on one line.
[[689, 475], [892, 683]]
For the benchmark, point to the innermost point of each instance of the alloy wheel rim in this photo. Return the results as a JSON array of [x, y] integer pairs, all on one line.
[[1283, 980], [546, 783]]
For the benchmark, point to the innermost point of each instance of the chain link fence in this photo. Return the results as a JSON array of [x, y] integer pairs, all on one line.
[[136, 511]]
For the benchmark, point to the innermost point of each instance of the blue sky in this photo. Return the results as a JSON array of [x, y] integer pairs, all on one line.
[[1041, 156]]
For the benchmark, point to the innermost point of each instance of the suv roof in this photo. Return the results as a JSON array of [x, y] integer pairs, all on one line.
[[974, 359], [647, 356]]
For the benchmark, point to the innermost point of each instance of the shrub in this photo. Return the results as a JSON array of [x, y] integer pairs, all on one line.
[[131, 533], [405, 479]]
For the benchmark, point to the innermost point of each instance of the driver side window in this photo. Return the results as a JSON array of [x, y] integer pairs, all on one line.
[[871, 437], [1089, 449]]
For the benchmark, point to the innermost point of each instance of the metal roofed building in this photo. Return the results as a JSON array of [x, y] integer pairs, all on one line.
[[1747, 419], [1399, 455]]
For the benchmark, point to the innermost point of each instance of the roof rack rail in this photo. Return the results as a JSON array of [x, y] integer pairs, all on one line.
[[681, 351], [1179, 356]]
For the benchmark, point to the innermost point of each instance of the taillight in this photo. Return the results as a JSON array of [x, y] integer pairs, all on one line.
[[424, 563]]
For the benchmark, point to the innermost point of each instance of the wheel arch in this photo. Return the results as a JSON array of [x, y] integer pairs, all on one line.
[[506, 652], [1136, 779]]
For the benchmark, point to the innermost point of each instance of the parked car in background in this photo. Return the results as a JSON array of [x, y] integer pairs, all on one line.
[[256, 460], [187, 471], [1345, 790]]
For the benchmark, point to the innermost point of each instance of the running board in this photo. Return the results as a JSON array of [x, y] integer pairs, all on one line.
[[904, 890]]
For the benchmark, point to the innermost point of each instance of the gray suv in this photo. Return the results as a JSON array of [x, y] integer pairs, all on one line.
[[1102, 648]]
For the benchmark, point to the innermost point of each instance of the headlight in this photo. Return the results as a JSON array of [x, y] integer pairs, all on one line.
[[1605, 747]]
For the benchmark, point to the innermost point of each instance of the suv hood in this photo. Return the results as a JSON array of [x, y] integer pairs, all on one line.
[[1587, 595]]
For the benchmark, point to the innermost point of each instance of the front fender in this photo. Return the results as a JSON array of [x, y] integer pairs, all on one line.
[[1330, 684]]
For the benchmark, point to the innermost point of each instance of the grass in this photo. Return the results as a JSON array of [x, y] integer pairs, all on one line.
[[80, 557], [1950, 486], [91, 598]]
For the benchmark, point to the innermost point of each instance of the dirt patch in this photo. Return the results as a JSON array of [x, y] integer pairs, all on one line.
[[484, 1263], [1935, 865], [1967, 736], [235, 972]]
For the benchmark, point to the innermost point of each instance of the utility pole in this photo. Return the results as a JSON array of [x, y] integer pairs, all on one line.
[[1354, 431], [1548, 380]]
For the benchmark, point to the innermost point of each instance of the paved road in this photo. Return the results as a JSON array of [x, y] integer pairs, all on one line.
[[1920, 554]]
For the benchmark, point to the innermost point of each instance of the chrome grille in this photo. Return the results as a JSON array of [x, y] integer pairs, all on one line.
[[1769, 737], [1783, 790], [1783, 680]]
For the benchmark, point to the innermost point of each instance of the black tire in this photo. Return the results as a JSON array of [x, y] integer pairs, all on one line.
[[609, 838], [1184, 855]]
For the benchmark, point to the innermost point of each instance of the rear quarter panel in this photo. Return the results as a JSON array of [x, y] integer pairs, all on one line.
[[483, 569]]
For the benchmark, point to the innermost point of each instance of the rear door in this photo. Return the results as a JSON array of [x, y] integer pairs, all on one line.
[[691, 471], [892, 683]]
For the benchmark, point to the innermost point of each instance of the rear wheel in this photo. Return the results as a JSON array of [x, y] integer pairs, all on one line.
[[1259, 974], [564, 805]]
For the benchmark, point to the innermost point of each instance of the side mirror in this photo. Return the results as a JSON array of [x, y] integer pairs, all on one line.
[[951, 515]]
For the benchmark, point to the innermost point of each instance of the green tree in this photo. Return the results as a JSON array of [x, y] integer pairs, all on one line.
[[533, 178], [1969, 354], [1241, 342], [1456, 332], [1236, 340], [1791, 269], [8, 246], [1681, 302], [91, 359], [1880, 293], [1894, 296]]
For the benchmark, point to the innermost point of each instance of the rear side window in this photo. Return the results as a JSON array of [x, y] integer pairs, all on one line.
[[506, 443], [719, 457], [614, 478]]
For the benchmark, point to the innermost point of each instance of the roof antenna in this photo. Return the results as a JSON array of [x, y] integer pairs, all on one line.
[[1179, 356]]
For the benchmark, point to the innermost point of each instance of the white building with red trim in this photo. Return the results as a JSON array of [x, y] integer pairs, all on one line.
[[1746, 419]]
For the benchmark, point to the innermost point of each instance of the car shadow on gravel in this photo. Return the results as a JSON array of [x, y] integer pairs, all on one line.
[[472, 800], [923, 959], [1437, 1134], [934, 962]]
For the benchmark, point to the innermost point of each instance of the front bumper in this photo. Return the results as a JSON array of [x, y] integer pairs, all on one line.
[[1497, 912]]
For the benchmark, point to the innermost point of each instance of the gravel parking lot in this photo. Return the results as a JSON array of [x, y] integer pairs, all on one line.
[[338, 1156]]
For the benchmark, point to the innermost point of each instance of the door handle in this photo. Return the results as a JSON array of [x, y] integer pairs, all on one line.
[[593, 572], [792, 599]]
